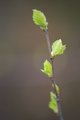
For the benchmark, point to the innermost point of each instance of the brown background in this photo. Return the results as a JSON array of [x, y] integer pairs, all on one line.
[[24, 90]]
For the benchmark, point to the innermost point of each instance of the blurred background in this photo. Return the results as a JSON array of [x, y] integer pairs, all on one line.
[[24, 90]]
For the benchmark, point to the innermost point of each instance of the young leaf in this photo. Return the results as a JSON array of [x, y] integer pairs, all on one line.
[[53, 102], [57, 88], [47, 68], [57, 48], [39, 19]]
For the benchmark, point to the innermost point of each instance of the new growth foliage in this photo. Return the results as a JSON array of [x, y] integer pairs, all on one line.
[[57, 48]]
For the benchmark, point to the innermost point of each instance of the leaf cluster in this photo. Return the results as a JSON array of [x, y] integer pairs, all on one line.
[[57, 48]]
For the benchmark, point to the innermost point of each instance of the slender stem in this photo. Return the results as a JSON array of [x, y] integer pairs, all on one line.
[[48, 40], [60, 111], [53, 79], [57, 95]]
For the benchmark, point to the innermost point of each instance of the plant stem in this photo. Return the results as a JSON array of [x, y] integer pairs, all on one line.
[[53, 79], [57, 95], [48, 40]]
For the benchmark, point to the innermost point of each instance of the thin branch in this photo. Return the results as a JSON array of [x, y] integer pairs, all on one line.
[[48, 40], [53, 79]]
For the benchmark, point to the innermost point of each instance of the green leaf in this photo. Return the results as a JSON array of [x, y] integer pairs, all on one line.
[[57, 48], [47, 68], [53, 102], [57, 88], [39, 19]]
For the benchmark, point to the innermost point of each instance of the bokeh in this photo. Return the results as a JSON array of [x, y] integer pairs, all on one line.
[[24, 90]]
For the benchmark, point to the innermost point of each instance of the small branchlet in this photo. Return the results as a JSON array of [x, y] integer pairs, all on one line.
[[57, 48]]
